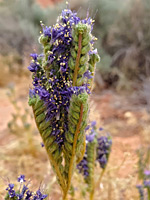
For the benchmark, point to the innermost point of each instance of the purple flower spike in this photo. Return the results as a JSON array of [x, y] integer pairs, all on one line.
[[103, 150], [147, 184]]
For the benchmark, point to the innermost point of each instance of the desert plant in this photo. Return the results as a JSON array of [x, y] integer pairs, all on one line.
[[128, 40], [23, 192], [24, 19], [98, 149], [144, 173], [62, 81]]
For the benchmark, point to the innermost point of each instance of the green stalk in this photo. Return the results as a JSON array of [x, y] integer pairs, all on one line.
[[100, 178], [73, 152], [148, 192], [77, 60], [92, 180], [53, 161]]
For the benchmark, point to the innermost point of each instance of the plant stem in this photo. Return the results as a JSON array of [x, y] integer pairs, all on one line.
[[92, 177], [73, 152], [92, 80], [148, 192], [92, 195], [77, 60], [100, 178]]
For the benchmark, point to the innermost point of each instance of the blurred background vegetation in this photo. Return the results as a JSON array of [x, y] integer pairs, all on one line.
[[122, 29]]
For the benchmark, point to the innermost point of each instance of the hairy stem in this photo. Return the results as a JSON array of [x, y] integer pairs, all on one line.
[[92, 194], [92, 81], [61, 179], [101, 176], [77, 60], [148, 191], [74, 151], [92, 180]]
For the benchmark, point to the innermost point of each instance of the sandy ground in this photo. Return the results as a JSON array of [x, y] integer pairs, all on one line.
[[123, 116]]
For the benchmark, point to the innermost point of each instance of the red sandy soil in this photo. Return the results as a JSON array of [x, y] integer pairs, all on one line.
[[46, 3]]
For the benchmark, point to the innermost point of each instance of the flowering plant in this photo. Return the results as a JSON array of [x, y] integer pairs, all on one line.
[[144, 173], [98, 149], [23, 193], [62, 81]]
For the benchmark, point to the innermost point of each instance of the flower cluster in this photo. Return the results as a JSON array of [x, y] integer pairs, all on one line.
[[62, 82], [141, 191], [102, 148], [51, 70], [146, 185], [23, 193]]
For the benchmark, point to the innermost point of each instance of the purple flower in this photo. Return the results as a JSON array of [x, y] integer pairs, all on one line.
[[34, 56], [33, 67], [83, 167], [91, 137], [93, 124], [69, 16], [11, 190], [141, 191], [47, 31], [19, 196], [24, 192], [93, 52], [87, 74], [28, 195], [147, 183], [32, 93], [21, 178], [44, 94], [87, 128], [24, 189], [10, 186], [42, 144], [147, 172], [103, 150], [39, 195]]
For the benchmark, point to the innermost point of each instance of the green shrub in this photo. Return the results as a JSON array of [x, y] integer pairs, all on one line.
[[20, 24]]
